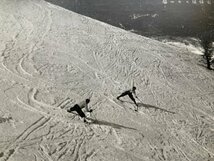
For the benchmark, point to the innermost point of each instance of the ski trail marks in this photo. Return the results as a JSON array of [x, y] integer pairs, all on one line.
[[22, 137]]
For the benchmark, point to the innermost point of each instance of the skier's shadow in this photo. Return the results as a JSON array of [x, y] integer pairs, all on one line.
[[106, 123], [155, 107], [151, 106]]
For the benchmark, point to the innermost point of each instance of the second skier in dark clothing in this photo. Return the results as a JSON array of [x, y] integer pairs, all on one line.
[[130, 93]]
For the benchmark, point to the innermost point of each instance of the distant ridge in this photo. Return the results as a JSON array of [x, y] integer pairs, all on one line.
[[201, 2]]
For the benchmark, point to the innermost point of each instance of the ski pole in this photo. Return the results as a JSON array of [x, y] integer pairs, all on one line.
[[139, 99]]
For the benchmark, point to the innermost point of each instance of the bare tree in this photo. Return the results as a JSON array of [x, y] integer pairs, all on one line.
[[208, 51]]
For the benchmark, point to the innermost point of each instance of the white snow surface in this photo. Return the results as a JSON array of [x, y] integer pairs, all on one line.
[[53, 58]]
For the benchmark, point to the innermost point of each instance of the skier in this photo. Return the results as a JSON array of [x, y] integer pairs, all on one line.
[[78, 108], [130, 94]]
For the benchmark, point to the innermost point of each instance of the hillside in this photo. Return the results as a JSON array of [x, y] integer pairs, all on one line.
[[53, 58]]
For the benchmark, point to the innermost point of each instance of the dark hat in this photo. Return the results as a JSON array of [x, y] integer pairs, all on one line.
[[87, 100]]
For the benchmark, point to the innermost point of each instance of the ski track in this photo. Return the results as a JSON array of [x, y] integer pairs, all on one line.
[[22, 137], [111, 67], [22, 71]]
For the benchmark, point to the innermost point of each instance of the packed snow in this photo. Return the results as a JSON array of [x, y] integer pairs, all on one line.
[[52, 58]]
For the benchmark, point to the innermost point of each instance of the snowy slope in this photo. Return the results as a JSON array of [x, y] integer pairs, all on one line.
[[51, 57]]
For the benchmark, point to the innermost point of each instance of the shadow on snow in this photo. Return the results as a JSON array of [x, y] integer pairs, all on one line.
[[151, 106], [117, 126], [155, 107], [106, 123]]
